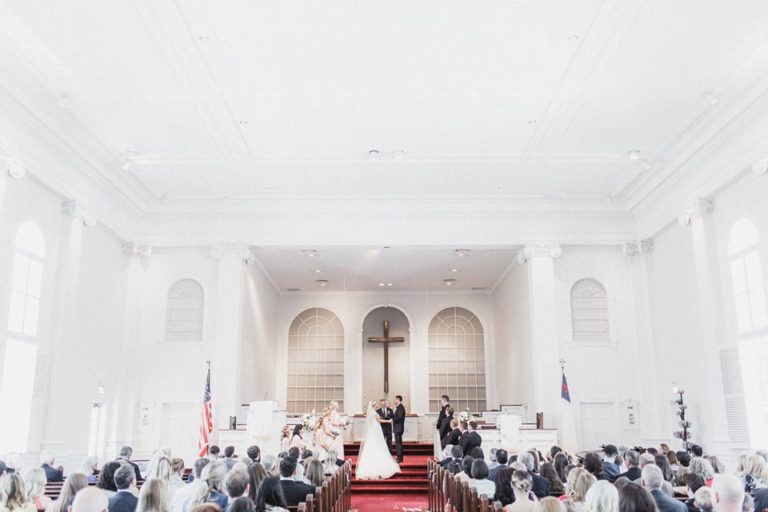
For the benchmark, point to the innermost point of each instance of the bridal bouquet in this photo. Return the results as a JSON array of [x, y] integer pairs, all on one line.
[[308, 421], [465, 416]]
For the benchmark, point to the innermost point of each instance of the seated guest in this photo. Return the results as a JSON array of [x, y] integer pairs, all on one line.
[[652, 479], [34, 486], [457, 454], [154, 496], [72, 485], [271, 464], [237, 483], [51, 473], [14, 499], [502, 481], [89, 500], [501, 463], [673, 463], [126, 452], [718, 466], [211, 486], [666, 470], [254, 453], [522, 484], [256, 474], [602, 497], [701, 466], [177, 473], [453, 467], [470, 439], [549, 504], [729, 491], [270, 496], [684, 460], [315, 473], [594, 464], [755, 474], [332, 462], [243, 504], [561, 463], [480, 480], [634, 498], [477, 453], [492, 457], [632, 460], [610, 469], [124, 500], [466, 469], [294, 492], [704, 499], [88, 468], [693, 483], [453, 436], [648, 459], [106, 480], [183, 496], [576, 487], [229, 456], [540, 484], [761, 500], [697, 450], [547, 471]]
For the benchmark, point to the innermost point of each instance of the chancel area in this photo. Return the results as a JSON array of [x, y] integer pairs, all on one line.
[[274, 229]]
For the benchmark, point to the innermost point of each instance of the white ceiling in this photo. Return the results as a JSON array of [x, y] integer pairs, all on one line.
[[217, 101], [364, 268]]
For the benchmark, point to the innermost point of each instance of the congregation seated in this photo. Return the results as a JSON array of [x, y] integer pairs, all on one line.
[[480, 480], [576, 487], [632, 460], [522, 485], [34, 485], [466, 469], [610, 470], [153, 496], [183, 496], [256, 475], [270, 497], [72, 485], [14, 497], [547, 471], [106, 481], [126, 452], [540, 484], [295, 492], [89, 468], [457, 454], [693, 483], [652, 479], [315, 473], [124, 500], [501, 462]]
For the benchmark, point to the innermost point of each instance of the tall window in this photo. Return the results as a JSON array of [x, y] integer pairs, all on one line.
[[457, 360], [184, 315], [747, 277], [17, 383], [589, 311], [743, 361], [315, 361]]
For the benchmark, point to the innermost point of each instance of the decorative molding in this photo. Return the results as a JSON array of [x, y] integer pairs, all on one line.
[[78, 212], [638, 247], [239, 250], [696, 208], [760, 165], [539, 250], [140, 251]]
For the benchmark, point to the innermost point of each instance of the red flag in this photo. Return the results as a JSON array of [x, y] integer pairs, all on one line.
[[206, 423]]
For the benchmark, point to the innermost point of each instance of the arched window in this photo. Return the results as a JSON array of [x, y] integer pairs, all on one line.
[[589, 311], [315, 361], [20, 357], [457, 360], [184, 314], [747, 277]]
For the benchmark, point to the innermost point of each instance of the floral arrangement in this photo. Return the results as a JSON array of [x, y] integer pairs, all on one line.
[[465, 416], [685, 434], [308, 421]]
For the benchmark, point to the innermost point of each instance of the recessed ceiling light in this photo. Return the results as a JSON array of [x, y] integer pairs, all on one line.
[[463, 252], [316, 270], [634, 154], [382, 284], [449, 282], [309, 252], [322, 282], [454, 270], [389, 284]]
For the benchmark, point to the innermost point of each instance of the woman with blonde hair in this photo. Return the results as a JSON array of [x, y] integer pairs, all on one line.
[[521, 487], [74, 483], [755, 474], [315, 473], [549, 504], [602, 497], [153, 496], [14, 499], [88, 468], [212, 485], [34, 486], [576, 487], [177, 473]]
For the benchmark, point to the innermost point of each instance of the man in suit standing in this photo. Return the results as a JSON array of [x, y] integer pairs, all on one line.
[[652, 479], [124, 500], [398, 426], [470, 439], [385, 420], [444, 404]]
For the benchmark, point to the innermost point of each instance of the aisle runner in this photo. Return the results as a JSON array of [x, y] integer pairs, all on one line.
[[413, 478], [389, 502]]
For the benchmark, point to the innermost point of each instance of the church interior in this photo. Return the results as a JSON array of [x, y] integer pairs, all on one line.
[[557, 208]]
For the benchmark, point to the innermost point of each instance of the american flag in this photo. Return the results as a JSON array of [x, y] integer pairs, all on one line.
[[206, 420]]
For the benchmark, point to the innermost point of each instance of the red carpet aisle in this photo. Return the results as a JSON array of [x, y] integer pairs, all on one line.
[[389, 502], [412, 479]]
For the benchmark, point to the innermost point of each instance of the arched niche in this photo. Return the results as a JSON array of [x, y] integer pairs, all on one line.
[[373, 354]]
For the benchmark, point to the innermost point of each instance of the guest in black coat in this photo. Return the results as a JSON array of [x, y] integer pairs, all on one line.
[[694, 481], [457, 454], [53, 474], [632, 460], [652, 479], [470, 439], [124, 500], [444, 405], [126, 452], [295, 492], [445, 425], [453, 437]]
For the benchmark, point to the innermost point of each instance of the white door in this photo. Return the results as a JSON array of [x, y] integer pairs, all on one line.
[[179, 431], [599, 425]]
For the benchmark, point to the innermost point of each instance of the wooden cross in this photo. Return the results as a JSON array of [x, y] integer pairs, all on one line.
[[386, 340]]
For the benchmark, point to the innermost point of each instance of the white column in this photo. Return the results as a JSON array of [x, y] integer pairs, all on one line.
[[545, 367], [712, 424], [419, 355], [354, 401], [651, 403], [64, 326], [225, 353]]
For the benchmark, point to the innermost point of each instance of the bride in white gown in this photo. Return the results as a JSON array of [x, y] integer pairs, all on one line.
[[375, 461]]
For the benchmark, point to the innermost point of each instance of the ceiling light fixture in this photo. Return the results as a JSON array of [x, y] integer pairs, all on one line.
[[461, 253], [316, 270], [634, 154], [311, 253], [322, 282], [454, 270], [449, 282]]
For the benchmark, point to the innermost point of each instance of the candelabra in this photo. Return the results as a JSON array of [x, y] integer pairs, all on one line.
[[685, 434]]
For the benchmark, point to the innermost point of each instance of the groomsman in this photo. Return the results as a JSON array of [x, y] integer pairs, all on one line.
[[398, 426], [386, 414], [445, 402]]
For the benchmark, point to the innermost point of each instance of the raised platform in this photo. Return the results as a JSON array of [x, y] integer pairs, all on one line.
[[413, 478]]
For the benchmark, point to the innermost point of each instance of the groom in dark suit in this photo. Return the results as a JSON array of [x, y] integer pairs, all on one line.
[[398, 426], [386, 414]]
